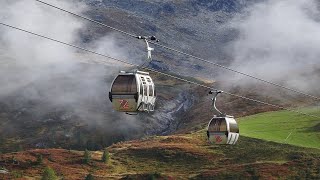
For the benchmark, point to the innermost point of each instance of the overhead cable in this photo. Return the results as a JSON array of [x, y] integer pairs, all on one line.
[[88, 19], [183, 53], [156, 71]]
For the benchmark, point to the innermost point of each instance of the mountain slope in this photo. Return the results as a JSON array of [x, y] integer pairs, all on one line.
[[178, 156]]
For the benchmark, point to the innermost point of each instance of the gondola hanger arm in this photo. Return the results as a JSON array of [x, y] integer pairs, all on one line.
[[149, 49], [214, 99]]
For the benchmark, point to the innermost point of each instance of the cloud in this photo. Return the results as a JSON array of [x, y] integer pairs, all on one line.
[[27, 55], [42, 76], [278, 41]]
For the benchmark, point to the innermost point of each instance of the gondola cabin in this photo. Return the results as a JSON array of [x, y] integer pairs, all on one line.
[[132, 92], [223, 130]]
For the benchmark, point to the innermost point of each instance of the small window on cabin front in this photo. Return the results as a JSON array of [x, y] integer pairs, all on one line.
[[143, 80], [150, 90], [145, 90], [141, 88]]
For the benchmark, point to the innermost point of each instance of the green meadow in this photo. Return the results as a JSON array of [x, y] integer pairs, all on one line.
[[284, 127]]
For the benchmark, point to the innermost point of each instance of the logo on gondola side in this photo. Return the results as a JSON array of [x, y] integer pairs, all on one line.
[[124, 104], [218, 139]]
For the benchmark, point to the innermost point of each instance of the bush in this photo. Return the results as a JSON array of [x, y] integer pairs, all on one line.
[[89, 177], [49, 174], [154, 176], [39, 160], [105, 156], [17, 174], [86, 157]]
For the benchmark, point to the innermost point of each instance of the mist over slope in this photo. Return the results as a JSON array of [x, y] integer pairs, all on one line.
[[278, 41], [52, 100], [51, 95], [273, 40], [45, 85]]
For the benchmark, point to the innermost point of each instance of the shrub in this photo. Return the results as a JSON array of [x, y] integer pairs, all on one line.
[[17, 174], [105, 156], [89, 177], [49, 174], [86, 157], [154, 176], [39, 160]]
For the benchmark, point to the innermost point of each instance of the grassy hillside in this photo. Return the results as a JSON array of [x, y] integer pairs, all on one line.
[[176, 157], [284, 127]]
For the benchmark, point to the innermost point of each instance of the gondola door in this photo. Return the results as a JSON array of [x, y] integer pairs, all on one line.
[[217, 129], [124, 93]]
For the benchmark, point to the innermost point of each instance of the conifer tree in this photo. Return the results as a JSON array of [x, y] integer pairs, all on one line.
[[105, 156], [89, 177], [86, 157], [39, 159], [49, 174]]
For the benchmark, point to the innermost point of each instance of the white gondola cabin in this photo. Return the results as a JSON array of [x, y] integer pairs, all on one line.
[[223, 130], [132, 92]]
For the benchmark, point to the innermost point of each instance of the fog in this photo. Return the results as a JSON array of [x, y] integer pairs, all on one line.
[[41, 76], [278, 41]]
